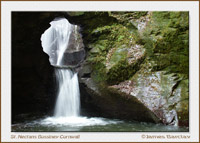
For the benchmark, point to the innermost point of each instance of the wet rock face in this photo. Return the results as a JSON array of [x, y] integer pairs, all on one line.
[[73, 59], [158, 92], [142, 56], [111, 103], [117, 63]]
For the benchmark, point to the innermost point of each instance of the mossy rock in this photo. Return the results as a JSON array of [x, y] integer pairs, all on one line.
[[122, 71], [168, 33], [95, 50], [75, 13], [181, 104], [159, 76], [118, 55]]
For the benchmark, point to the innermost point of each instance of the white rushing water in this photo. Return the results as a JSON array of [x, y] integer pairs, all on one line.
[[55, 40], [78, 121], [68, 100]]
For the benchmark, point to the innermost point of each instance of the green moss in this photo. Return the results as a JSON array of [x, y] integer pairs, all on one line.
[[122, 71], [114, 65], [168, 33], [166, 40], [117, 33], [119, 38], [118, 72], [92, 20], [99, 72], [125, 17], [182, 106], [108, 37], [75, 13], [118, 55]]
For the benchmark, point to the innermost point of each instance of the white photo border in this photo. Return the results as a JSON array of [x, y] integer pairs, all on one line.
[[8, 6]]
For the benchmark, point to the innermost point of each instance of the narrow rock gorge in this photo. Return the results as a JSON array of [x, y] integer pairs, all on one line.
[[134, 65]]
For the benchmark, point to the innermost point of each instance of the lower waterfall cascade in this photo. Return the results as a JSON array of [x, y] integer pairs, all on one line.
[[68, 100]]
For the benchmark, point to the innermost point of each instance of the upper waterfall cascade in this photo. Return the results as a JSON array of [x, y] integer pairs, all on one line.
[[63, 43]]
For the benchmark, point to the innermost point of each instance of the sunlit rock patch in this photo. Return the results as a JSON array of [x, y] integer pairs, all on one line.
[[135, 53]]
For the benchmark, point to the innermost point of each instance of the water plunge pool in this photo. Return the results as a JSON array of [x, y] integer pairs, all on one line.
[[91, 124]]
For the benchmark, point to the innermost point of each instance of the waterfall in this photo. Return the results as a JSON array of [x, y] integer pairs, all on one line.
[[67, 103], [58, 41], [64, 45]]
